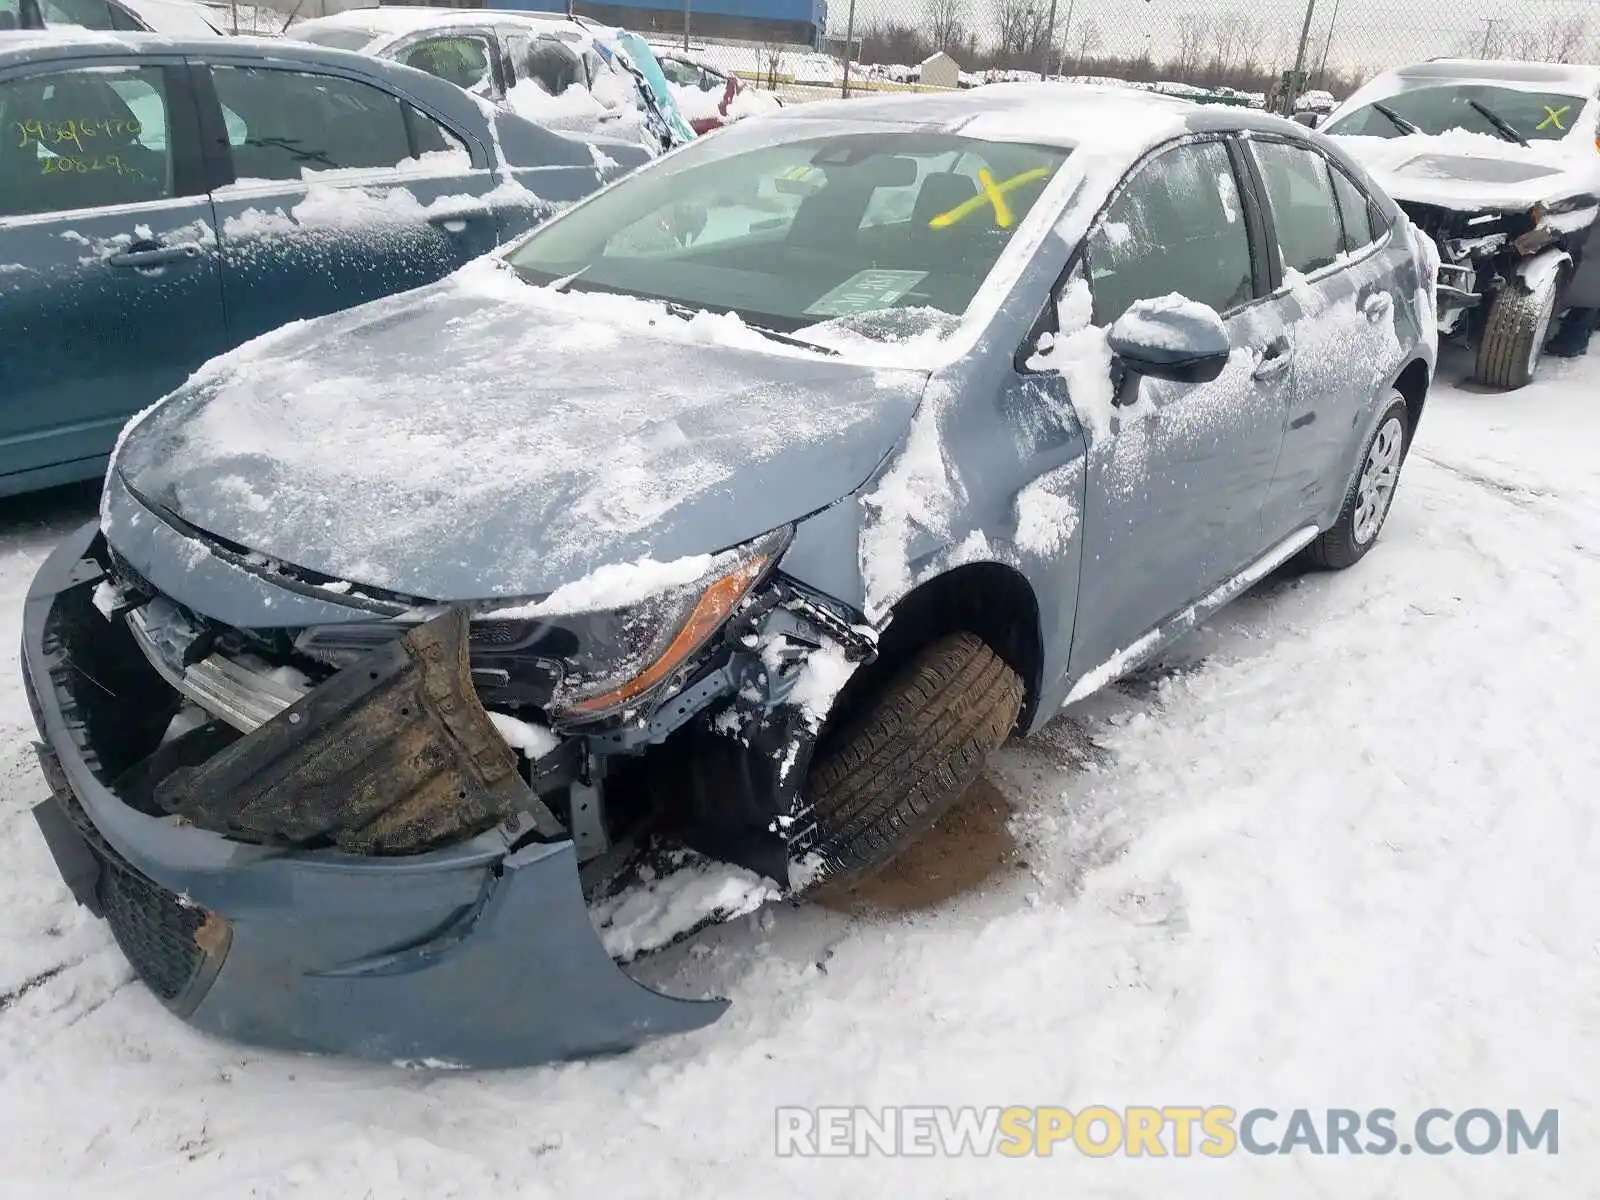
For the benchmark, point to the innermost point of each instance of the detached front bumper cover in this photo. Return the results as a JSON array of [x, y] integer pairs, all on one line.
[[477, 954]]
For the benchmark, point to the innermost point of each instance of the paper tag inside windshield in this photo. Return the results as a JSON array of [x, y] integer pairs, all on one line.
[[866, 291]]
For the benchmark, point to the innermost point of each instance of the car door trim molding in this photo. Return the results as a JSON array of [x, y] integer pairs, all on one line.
[[1142, 648]]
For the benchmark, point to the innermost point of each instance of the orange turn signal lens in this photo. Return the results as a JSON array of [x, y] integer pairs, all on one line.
[[714, 607]]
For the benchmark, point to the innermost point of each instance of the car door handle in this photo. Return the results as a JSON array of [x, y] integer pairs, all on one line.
[[154, 256], [1377, 305], [1273, 359]]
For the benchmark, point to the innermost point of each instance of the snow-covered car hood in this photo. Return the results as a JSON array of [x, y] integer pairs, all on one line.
[[485, 438], [1469, 171]]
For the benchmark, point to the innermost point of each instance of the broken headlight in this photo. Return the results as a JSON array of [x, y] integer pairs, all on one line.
[[593, 647], [635, 625]]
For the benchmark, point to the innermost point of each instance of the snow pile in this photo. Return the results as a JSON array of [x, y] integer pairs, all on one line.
[[613, 586], [575, 108], [822, 678], [1465, 171], [662, 907], [1080, 353], [1143, 324], [918, 491], [534, 741], [1049, 510]]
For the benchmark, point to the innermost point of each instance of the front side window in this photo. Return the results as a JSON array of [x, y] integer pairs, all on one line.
[[1535, 116], [292, 125], [791, 235], [84, 139], [1176, 226], [461, 60], [1303, 208]]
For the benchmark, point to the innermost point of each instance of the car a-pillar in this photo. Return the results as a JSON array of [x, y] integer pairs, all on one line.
[[958, 669]]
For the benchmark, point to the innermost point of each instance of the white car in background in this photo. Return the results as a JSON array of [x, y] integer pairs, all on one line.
[[179, 18], [1499, 163], [560, 73]]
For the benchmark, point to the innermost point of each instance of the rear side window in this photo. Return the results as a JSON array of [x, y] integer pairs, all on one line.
[[84, 139], [293, 124], [1176, 226], [458, 59], [1355, 213], [1303, 207]]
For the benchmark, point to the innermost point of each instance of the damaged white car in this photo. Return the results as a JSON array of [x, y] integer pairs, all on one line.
[[1499, 162]]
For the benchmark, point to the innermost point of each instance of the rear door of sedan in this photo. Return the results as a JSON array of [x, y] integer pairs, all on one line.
[[331, 188], [110, 289], [1337, 267]]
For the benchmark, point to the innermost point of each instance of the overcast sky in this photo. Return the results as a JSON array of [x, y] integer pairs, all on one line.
[[1366, 33]]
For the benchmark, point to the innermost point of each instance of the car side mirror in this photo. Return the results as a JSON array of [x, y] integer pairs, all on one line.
[[1171, 337], [1309, 119]]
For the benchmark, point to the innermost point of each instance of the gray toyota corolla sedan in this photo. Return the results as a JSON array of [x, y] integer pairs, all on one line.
[[744, 507]]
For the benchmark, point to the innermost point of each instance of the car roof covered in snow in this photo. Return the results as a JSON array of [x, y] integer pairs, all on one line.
[[1578, 78], [1069, 115], [399, 20]]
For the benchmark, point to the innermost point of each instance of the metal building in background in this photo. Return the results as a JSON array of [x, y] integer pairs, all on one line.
[[793, 22]]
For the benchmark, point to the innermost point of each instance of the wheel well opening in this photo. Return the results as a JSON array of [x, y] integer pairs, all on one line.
[[1413, 386], [990, 600]]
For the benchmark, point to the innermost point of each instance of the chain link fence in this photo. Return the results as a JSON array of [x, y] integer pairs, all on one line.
[[1240, 51]]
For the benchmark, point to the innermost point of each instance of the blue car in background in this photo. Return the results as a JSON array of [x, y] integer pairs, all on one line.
[[162, 201]]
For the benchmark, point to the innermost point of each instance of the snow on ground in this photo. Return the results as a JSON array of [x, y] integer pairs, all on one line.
[[1339, 851]]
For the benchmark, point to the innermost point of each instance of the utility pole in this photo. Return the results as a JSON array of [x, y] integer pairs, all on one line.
[[849, 37], [1327, 44], [1295, 79], [1488, 33], [1066, 32], [686, 26], [1049, 42]]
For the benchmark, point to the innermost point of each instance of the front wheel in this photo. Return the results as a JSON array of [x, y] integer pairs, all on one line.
[[1514, 334], [1366, 506]]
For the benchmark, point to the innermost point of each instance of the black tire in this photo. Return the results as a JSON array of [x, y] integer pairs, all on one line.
[[1514, 334], [1339, 547], [907, 754]]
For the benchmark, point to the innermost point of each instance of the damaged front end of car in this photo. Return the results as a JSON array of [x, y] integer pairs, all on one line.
[[375, 827]]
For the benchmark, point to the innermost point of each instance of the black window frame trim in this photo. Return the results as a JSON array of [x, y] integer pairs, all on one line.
[[217, 152], [189, 181]]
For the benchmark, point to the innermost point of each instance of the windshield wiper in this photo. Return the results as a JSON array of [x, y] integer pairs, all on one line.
[[688, 312], [1395, 119], [1499, 122]]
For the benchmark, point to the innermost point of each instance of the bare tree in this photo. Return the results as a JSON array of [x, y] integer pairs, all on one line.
[[768, 61], [1192, 32], [1086, 43], [1252, 33], [1564, 39], [1019, 30], [942, 20]]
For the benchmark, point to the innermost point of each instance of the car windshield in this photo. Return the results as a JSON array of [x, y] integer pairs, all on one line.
[[793, 234], [342, 38], [1536, 116]]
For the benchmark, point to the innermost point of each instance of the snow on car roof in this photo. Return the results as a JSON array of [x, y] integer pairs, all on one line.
[[1048, 114], [1578, 78], [396, 20]]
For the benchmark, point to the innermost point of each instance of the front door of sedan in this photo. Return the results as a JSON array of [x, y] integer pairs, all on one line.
[[334, 191], [110, 292], [1177, 473]]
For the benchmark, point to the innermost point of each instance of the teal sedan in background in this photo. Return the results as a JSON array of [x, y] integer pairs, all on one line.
[[163, 201]]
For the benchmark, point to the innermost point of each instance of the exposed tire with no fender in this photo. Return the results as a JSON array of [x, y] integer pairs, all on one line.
[[1376, 478], [1514, 334], [908, 754]]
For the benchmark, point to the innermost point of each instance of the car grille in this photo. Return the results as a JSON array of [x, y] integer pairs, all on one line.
[[174, 947]]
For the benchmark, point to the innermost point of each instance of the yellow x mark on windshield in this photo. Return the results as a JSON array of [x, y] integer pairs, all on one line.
[[993, 194], [1553, 117]]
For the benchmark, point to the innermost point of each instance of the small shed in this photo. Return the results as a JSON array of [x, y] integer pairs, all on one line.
[[940, 70]]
